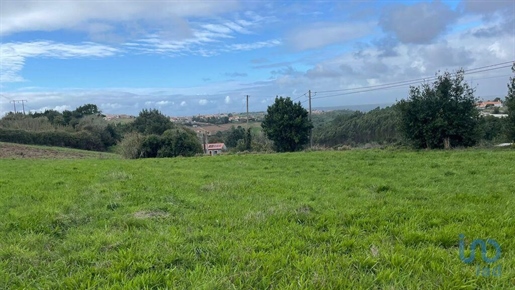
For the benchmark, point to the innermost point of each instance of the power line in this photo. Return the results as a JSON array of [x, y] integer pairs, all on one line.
[[404, 83], [409, 82], [300, 97], [5, 97]]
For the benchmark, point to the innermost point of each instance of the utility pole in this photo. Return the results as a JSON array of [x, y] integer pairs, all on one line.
[[311, 130], [247, 112], [22, 104]]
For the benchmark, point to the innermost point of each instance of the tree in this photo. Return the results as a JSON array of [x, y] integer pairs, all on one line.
[[85, 110], [510, 104], [287, 124], [151, 122], [441, 114], [235, 134], [179, 142]]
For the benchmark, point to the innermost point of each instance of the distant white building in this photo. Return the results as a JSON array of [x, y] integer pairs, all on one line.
[[494, 115]]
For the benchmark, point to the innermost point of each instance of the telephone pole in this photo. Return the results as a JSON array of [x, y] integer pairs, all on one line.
[[247, 112], [311, 130]]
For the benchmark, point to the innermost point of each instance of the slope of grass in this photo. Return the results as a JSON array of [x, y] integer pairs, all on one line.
[[318, 220], [13, 150]]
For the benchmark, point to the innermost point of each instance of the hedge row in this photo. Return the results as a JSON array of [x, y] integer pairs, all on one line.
[[78, 140]]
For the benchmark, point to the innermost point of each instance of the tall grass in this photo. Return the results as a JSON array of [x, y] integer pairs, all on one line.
[[319, 220]]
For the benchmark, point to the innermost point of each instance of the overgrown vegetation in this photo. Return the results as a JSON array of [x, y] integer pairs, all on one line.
[[355, 128], [154, 135], [360, 219], [83, 128]]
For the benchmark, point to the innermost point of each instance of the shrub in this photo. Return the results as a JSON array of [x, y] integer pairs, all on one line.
[[130, 146], [79, 140]]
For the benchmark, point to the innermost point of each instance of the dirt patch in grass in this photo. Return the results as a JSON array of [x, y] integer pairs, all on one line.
[[19, 151], [150, 214]]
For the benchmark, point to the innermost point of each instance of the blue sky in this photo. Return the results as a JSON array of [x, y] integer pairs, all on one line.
[[199, 57]]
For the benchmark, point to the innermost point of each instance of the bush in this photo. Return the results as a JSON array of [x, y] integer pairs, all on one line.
[[150, 146], [173, 143], [130, 146], [79, 140]]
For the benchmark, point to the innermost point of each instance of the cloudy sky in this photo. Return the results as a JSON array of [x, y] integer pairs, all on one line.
[[195, 57]]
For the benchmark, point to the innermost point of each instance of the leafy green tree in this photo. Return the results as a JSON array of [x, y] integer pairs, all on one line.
[[235, 134], [441, 114], [151, 122], [287, 124], [179, 142], [151, 146], [85, 110], [69, 119], [510, 104]]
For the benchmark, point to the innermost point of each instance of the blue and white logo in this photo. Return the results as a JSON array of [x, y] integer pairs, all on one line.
[[486, 271]]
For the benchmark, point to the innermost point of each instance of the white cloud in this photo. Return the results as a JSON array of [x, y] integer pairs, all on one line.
[[13, 55], [60, 108], [110, 106], [203, 102], [253, 45], [227, 100], [417, 23], [70, 14], [184, 104], [321, 34], [164, 103]]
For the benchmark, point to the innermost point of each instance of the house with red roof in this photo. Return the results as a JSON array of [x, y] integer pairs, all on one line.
[[483, 104], [214, 148]]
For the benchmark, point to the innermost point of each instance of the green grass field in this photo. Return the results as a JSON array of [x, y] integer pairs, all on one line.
[[318, 220]]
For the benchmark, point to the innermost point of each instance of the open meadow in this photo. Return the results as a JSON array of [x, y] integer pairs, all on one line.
[[360, 219]]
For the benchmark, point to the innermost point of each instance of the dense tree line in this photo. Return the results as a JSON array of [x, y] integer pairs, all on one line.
[[212, 119], [82, 128], [378, 125], [79, 140], [150, 135]]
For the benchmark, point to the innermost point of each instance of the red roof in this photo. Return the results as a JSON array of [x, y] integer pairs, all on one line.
[[215, 146], [483, 104]]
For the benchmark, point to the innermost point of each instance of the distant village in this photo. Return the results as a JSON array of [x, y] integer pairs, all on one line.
[[209, 119]]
